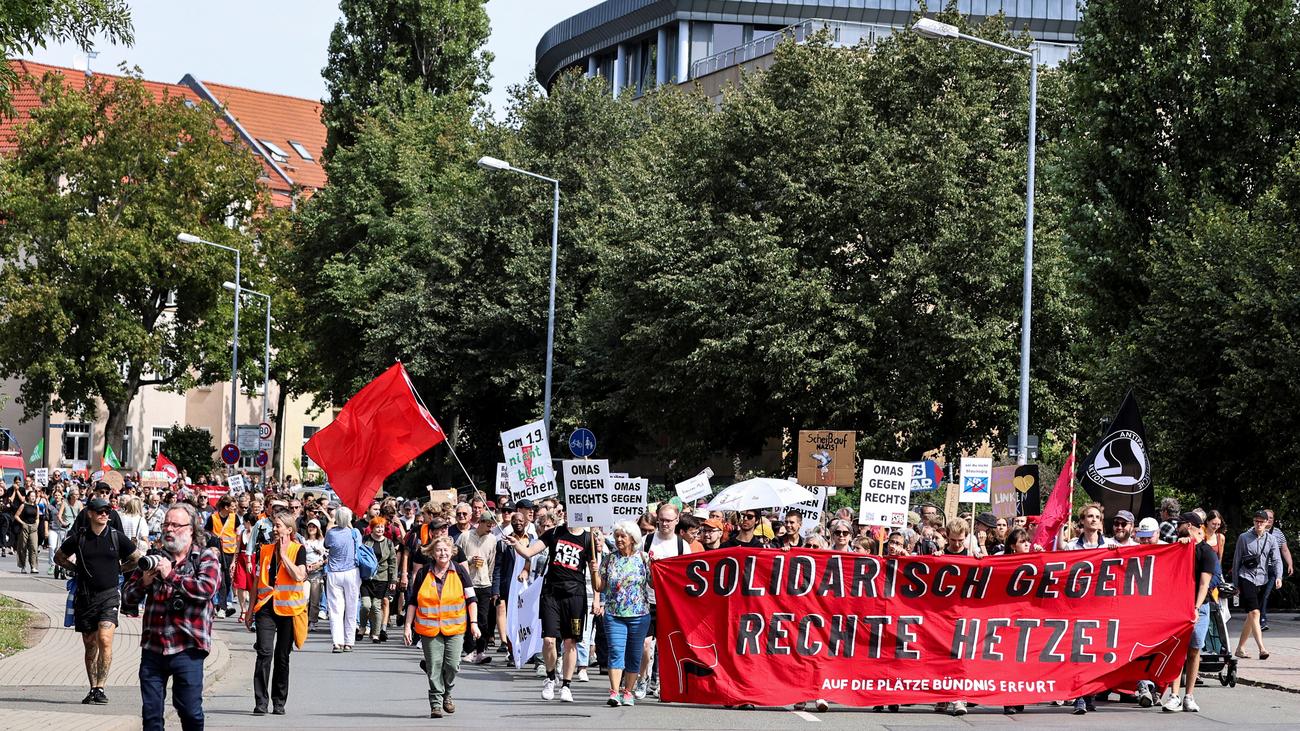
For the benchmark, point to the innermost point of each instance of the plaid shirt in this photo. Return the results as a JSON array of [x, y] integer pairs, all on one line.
[[166, 631]]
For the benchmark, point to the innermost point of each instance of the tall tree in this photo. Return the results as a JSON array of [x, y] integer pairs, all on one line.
[[26, 26], [99, 302], [383, 48]]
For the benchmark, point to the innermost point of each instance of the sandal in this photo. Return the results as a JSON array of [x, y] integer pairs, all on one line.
[[1263, 655], [1239, 653]]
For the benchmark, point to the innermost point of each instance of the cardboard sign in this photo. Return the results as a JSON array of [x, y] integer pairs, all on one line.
[[884, 493], [827, 457], [1002, 488], [976, 474], [154, 480], [528, 461], [588, 498], [695, 488], [503, 479], [812, 510], [950, 505], [444, 496], [41, 475], [631, 496]]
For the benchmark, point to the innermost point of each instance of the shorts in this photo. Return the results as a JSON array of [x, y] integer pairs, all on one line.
[[89, 610], [1251, 596], [375, 589], [563, 617], [1202, 625]]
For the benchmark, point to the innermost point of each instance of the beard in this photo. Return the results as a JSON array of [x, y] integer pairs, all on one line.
[[175, 543]]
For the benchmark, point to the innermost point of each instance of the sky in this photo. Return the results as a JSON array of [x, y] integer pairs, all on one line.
[[280, 45]]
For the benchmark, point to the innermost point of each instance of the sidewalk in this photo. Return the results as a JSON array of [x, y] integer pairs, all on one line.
[[43, 685], [1281, 671]]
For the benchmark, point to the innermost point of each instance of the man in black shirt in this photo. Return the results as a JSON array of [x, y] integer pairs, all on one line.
[[1204, 565], [564, 598], [745, 536], [97, 555]]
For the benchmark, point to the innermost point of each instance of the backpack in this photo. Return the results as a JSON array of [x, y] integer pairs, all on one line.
[[681, 545], [367, 563]]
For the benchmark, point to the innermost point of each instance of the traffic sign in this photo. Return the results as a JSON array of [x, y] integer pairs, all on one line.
[[582, 443], [264, 430], [230, 454], [247, 438], [261, 459]]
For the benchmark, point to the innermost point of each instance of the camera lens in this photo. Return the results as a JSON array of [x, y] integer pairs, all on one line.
[[147, 563]]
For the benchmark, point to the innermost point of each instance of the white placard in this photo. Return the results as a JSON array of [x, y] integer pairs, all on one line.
[[237, 484], [528, 460], [41, 475], [588, 493], [523, 617], [811, 510], [247, 439], [630, 496], [695, 488], [884, 493], [976, 479], [503, 479]]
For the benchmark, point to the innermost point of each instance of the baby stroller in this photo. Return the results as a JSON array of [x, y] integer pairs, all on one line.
[[1216, 656]]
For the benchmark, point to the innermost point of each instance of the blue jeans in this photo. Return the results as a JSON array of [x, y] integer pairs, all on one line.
[[625, 637], [186, 671]]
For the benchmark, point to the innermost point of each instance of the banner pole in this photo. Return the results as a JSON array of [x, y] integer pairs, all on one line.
[[1074, 445]]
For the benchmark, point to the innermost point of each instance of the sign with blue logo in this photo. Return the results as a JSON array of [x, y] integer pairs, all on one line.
[[582, 443]]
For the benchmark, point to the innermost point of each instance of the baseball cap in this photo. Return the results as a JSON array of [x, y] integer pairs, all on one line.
[[1125, 516], [1147, 528], [716, 524], [97, 504], [524, 504], [987, 519], [1190, 518], [1261, 515], [488, 517]]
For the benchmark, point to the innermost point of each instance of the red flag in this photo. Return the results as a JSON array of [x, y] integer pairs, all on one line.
[[1058, 507], [162, 464], [380, 429]]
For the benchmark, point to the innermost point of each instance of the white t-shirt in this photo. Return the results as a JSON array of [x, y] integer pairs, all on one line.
[[665, 548], [137, 529]]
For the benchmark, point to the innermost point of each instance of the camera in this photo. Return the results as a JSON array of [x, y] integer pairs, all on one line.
[[148, 562]]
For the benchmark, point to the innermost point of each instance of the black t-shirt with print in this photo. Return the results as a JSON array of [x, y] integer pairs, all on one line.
[[569, 557], [1203, 562], [756, 542]]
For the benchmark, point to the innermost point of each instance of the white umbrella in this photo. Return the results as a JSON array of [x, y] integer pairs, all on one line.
[[759, 493]]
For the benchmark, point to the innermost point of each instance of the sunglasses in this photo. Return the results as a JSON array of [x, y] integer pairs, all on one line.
[[104, 511], [748, 516], [841, 532]]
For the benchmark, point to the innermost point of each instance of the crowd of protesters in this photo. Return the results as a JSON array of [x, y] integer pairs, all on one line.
[[283, 559]]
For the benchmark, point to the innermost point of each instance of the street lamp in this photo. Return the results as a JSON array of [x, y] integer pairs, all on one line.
[[266, 358], [930, 28], [185, 238], [492, 164]]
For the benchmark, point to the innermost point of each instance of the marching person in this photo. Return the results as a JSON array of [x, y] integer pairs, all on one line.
[[343, 580], [96, 555], [1203, 569], [479, 546], [1256, 564], [440, 605], [224, 525], [1287, 568], [623, 586], [376, 590], [176, 634], [280, 587]]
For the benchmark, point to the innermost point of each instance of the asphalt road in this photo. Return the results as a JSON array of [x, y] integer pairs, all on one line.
[[381, 686]]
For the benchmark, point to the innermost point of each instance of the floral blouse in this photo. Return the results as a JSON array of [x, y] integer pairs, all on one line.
[[627, 584]]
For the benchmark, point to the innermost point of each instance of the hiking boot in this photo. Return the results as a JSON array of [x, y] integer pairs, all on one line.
[[448, 705]]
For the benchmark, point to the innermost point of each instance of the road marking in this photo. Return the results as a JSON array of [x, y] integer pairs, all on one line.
[[807, 716]]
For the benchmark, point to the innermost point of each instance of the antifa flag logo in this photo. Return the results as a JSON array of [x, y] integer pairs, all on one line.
[[1117, 473]]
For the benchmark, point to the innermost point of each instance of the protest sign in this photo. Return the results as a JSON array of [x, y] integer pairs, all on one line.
[[740, 625], [588, 498], [975, 475], [695, 488], [950, 496], [503, 480], [41, 476], [448, 495], [630, 496], [925, 476], [884, 493], [528, 459], [827, 457], [155, 480], [1002, 490], [236, 484], [523, 617], [811, 510]]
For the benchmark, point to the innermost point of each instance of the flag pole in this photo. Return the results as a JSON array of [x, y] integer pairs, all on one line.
[[419, 398], [1074, 445]]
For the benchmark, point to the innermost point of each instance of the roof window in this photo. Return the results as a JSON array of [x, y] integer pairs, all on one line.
[[276, 153], [299, 148]]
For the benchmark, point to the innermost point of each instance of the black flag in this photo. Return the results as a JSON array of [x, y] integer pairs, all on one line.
[[1117, 473]]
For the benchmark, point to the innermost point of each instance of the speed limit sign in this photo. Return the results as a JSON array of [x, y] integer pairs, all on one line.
[[264, 430]]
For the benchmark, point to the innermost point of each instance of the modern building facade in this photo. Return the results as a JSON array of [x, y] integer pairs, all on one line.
[[639, 44]]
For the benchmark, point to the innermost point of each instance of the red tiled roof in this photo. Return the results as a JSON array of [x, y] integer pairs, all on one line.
[[26, 98], [280, 119]]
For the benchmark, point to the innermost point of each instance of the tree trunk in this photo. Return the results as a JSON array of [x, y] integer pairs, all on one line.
[[115, 429], [277, 443]]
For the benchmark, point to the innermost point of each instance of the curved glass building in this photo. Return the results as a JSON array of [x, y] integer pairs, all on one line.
[[638, 44]]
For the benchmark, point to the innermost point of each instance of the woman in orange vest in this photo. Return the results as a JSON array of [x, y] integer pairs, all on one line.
[[440, 606], [281, 590]]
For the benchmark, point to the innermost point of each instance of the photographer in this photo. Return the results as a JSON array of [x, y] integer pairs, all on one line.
[[96, 555], [176, 585]]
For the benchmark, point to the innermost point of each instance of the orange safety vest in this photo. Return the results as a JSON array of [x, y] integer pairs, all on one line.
[[290, 597], [441, 614], [227, 533]]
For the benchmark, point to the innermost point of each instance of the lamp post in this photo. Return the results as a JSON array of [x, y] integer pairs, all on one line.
[[930, 28], [185, 238], [492, 164], [266, 357]]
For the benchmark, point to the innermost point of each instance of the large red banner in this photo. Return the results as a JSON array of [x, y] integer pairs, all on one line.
[[777, 627]]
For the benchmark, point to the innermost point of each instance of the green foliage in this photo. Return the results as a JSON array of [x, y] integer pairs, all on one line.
[[26, 26], [191, 449], [92, 202]]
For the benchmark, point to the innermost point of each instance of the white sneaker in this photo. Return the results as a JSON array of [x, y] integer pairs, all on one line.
[[639, 690], [1173, 704], [548, 690], [566, 695], [1189, 704], [821, 705], [958, 708], [582, 676], [539, 670]]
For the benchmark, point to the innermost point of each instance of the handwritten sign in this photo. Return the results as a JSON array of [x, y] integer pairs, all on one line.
[[827, 457], [528, 459], [695, 488]]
